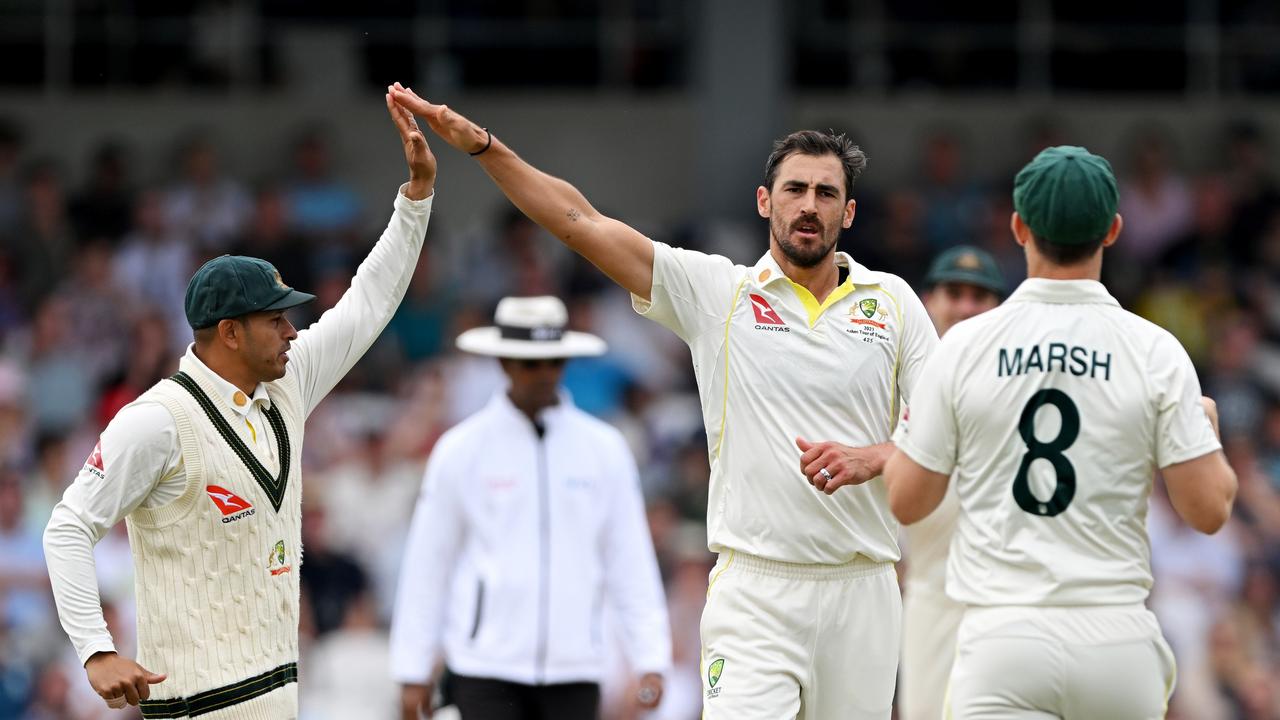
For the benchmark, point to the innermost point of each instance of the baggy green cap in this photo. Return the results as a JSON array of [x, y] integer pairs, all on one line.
[[968, 265], [233, 285], [1067, 195]]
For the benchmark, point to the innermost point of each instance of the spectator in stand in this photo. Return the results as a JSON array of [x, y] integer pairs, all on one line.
[[421, 323], [104, 206], [268, 235], [59, 375], [331, 578], [204, 206], [25, 600], [1253, 188], [1155, 200], [10, 193], [953, 204], [152, 264], [43, 244], [346, 669], [319, 203], [47, 479]]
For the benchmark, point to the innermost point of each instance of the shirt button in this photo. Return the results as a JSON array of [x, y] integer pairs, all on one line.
[[240, 399]]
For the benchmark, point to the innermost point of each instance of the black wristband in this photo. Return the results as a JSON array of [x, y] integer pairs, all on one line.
[[488, 140]]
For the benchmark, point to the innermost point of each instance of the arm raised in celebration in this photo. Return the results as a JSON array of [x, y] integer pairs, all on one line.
[[620, 251]]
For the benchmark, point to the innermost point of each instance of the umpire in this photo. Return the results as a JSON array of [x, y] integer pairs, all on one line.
[[529, 524]]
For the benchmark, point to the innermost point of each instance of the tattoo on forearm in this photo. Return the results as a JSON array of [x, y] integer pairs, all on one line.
[[574, 214]]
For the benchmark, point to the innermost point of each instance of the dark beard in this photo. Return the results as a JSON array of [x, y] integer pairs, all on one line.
[[800, 256]]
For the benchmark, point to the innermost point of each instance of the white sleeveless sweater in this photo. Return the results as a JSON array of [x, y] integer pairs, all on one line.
[[217, 569]]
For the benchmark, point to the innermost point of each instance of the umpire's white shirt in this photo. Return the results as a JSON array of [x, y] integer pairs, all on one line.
[[140, 451], [773, 364], [517, 542], [1052, 411]]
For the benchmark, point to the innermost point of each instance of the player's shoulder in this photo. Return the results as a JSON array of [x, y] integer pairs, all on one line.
[[977, 328], [863, 275], [695, 259], [1160, 345], [145, 422]]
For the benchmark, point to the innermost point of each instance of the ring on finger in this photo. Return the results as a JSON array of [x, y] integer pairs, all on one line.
[[825, 474]]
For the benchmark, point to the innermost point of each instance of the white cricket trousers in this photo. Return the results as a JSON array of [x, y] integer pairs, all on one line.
[[930, 623], [1106, 662], [813, 642]]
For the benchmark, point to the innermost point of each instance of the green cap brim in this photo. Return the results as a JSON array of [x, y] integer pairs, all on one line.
[[967, 277], [293, 298]]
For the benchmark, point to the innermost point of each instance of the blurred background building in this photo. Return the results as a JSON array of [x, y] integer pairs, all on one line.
[[139, 138]]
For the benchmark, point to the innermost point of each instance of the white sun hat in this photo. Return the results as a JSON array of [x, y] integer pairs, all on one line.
[[530, 328]]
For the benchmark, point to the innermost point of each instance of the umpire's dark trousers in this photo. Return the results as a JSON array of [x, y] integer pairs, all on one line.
[[488, 699]]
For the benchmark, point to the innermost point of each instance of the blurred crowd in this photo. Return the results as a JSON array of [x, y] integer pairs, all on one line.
[[92, 277]]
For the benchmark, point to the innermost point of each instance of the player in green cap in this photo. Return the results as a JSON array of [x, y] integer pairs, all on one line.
[[205, 467], [962, 282], [1050, 414]]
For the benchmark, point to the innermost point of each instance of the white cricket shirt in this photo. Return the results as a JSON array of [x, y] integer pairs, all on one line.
[[139, 453], [1052, 411], [772, 365]]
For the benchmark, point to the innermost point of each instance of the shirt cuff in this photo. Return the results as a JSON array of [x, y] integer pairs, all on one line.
[[1191, 453], [95, 646], [404, 203]]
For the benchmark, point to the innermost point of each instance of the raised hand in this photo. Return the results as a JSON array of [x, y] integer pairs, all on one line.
[[455, 129], [120, 680], [422, 163]]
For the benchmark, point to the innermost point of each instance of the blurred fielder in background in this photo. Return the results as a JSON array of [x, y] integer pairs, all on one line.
[[1052, 411], [529, 528], [962, 282], [205, 468], [803, 613]]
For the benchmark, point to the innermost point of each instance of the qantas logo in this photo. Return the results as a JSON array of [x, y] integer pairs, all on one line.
[[766, 317], [94, 463], [232, 506]]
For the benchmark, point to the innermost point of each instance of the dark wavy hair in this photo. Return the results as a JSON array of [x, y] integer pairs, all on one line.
[[817, 143]]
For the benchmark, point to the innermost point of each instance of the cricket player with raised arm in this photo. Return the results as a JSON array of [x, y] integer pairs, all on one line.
[[1050, 414], [801, 361], [205, 467]]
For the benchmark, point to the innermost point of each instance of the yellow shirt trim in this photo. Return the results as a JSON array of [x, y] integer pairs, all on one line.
[[251, 430], [897, 360], [724, 406], [810, 302]]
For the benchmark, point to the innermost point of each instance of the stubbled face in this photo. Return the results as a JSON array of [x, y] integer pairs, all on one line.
[[806, 208], [535, 384], [265, 345], [950, 302]]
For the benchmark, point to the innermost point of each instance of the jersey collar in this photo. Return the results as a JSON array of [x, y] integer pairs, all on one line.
[[1062, 292], [226, 390], [766, 271]]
